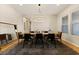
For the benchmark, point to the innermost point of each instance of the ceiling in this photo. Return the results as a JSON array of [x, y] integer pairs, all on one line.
[[43, 9]]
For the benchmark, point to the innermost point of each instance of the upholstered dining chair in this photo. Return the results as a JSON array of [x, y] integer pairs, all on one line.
[[51, 39], [59, 36], [39, 40], [27, 40]]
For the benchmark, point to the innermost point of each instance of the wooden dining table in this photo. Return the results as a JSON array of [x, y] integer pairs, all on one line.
[[44, 34]]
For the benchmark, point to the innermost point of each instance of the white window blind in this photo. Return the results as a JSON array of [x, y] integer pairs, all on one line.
[[75, 23], [65, 24]]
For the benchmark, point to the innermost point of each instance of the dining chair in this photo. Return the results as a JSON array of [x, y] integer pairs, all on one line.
[[39, 40], [27, 40], [45, 36], [51, 39], [59, 36]]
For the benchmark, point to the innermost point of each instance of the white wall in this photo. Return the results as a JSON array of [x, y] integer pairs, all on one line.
[[10, 15], [43, 23], [68, 36], [20, 24]]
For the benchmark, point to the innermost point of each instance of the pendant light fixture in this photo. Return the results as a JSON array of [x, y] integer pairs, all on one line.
[[39, 5]]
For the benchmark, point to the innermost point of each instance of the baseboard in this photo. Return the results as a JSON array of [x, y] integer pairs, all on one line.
[[71, 45]]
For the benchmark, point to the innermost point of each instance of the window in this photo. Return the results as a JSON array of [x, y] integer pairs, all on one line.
[[65, 24], [75, 23]]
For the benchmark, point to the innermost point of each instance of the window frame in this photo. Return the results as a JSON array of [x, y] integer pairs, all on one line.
[[72, 23], [65, 25]]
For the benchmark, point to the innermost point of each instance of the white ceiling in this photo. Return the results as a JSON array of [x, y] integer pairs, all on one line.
[[33, 9]]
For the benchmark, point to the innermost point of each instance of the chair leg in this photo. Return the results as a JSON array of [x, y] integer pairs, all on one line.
[[30, 45], [42, 43], [60, 39], [6, 41], [1, 42], [23, 43], [55, 43], [47, 45], [35, 44]]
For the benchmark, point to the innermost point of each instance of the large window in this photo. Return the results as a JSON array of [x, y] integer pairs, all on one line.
[[75, 23], [65, 24]]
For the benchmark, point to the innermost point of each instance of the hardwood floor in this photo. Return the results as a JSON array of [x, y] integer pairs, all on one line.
[[9, 45], [60, 50]]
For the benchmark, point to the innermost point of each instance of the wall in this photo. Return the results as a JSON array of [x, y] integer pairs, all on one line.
[[74, 39], [43, 22], [20, 24], [10, 15]]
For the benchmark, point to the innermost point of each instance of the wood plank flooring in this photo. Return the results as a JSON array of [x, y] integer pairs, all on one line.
[[60, 50]]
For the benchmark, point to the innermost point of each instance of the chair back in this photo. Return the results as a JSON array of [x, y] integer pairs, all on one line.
[[39, 36], [39, 39], [51, 36], [27, 37], [60, 34]]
